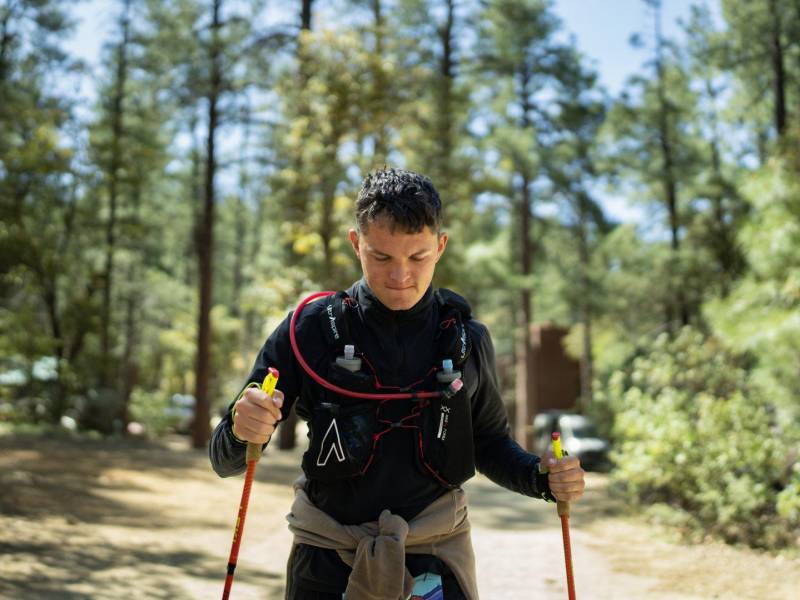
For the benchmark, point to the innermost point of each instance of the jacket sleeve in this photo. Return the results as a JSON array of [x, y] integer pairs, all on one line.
[[227, 454], [497, 455]]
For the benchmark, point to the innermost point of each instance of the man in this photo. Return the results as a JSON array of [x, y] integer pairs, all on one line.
[[400, 392]]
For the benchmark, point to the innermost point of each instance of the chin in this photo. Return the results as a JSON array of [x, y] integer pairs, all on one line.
[[403, 306], [400, 300]]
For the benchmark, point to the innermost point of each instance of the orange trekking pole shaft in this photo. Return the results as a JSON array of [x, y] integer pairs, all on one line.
[[563, 512], [251, 458]]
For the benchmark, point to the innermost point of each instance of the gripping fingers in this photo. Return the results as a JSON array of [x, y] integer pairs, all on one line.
[[566, 478], [254, 415], [573, 489], [259, 398], [567, 485], [567, 463], [260, 436], [257, 415]]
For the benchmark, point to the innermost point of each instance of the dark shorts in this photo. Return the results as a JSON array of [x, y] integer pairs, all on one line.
[[318, 574]]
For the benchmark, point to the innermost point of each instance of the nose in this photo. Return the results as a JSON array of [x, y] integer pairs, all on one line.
[[399, 273]]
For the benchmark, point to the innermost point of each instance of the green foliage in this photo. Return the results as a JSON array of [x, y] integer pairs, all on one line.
[[761, 314], [481, 96], [150, 409], [322, 110], [694, 433], [747, 50]]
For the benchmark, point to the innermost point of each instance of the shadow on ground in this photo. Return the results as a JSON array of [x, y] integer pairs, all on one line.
[[82, 518], [70, 571], [74, 478], [497, 508]]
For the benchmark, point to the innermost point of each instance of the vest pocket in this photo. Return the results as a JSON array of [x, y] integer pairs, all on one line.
[[446, 446], [341, 431]]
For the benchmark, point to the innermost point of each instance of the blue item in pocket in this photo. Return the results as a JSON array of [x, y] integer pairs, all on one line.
[[427, 586]]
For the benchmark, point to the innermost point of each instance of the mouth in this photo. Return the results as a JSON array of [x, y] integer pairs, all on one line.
[[399, 289]]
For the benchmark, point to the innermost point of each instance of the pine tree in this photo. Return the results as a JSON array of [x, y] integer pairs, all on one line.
[[652, 150], [570, 167], [44, 277], [518, 52]]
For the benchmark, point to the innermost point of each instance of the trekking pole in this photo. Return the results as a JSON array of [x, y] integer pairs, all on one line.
[[562, 508], [252, 456]]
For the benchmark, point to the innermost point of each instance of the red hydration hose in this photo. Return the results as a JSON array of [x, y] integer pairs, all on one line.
[[331, 386]]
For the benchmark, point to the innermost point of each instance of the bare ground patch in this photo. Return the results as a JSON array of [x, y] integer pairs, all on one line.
[[124, 519]]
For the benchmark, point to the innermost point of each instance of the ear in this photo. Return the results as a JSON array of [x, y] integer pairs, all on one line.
[[442, 246], [353, 235]]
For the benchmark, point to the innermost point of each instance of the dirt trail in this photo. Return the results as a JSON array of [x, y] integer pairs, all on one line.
[[110, 520]]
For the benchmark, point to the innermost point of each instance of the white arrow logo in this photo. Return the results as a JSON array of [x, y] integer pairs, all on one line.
[[335, 448]]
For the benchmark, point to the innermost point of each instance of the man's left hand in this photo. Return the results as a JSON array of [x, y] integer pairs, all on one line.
[[565, 477]]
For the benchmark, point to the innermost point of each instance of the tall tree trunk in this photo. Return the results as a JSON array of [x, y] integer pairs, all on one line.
[[379, 88], [328, 185], [191, 249], [722, 244], [299, 197], [326, 230], [723, 249], [300, 190], [130, 371], [525, 387], [305, 14], [525, 396], [5, 42], [117, 133], [446, 135], [50, 297], [240, 232], [240, 222], [587, 361], [669, 180], [129, 377], [201, 431], [778, 71]]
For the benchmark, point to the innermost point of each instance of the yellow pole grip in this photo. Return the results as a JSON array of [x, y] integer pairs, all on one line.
[[562, 507], [268, 385], [557, 446]]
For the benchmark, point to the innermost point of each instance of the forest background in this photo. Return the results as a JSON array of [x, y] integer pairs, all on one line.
[[151, 239]]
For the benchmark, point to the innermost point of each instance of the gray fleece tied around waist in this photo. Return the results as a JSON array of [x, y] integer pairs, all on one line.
[[376, 551]]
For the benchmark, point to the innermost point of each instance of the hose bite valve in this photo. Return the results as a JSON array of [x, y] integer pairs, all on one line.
[[447, 374], [453, 389]]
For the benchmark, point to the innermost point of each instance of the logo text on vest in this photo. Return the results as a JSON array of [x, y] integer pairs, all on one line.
[[332, 321]]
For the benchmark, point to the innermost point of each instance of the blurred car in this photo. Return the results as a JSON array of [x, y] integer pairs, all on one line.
[[579, 438], [180, 412]]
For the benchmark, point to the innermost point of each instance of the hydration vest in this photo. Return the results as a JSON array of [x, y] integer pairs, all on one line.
[[345, 433]]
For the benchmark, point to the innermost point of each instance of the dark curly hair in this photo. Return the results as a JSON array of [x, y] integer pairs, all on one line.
[[407, 200]]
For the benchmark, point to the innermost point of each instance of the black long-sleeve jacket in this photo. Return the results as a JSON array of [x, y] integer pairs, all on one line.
[[400, 347], [402, 350]]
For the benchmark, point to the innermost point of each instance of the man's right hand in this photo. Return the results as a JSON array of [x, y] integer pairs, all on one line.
[[256, 415]]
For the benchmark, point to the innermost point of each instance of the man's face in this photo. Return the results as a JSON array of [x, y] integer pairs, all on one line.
[[398, 266]]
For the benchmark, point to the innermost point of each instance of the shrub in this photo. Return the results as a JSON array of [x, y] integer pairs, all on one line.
[[693, 433]]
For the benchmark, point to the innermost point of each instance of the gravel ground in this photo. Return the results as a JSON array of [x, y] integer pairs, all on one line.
[[99, 519]]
